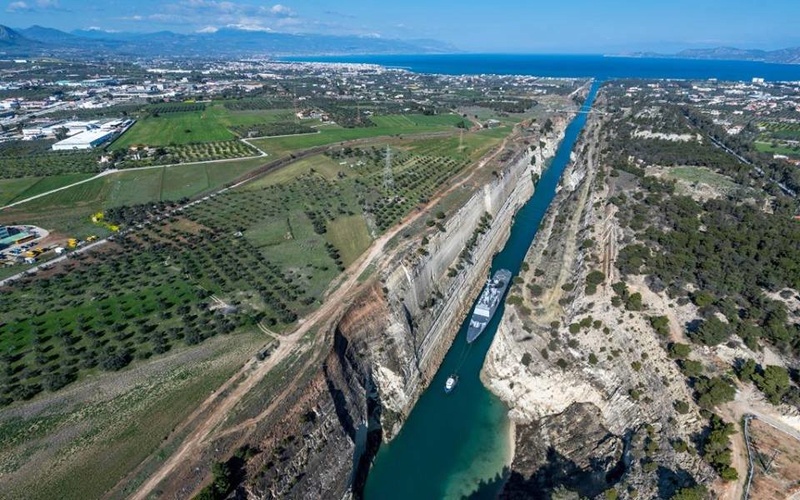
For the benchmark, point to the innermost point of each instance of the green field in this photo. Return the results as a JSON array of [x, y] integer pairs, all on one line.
[[193, 127], [12, 190], [320, 164], [702, 175], [107, 439], [471, 145], [350, 235], [68, 211], [391, 125], [768, 147]]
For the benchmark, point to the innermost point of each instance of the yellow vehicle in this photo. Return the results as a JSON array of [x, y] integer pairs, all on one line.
[[72, 243], [91, 238]]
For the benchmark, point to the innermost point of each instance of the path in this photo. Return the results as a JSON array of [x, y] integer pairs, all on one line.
[[749, 402], [254, 373]]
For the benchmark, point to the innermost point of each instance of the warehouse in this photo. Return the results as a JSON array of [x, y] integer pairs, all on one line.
[[85, 140]]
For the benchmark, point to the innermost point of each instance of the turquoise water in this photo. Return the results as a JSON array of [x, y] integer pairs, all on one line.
[[456, 445]]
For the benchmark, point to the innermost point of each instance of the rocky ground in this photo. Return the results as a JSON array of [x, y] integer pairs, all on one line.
[[600, 408], [590, 387]]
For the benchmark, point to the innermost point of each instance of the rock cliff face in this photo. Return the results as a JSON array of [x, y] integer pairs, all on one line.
[[589, 387], [391, 340]]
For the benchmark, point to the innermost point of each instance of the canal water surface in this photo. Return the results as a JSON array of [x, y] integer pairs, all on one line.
[[457, 445]]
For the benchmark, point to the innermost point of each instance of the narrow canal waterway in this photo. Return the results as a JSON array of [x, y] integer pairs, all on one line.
[[457, 445]]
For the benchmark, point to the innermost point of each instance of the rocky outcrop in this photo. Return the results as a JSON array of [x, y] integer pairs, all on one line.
[[390, 341], [589, 386]]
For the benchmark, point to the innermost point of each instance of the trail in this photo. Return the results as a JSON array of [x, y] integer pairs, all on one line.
[[749, 402], [216, 408]]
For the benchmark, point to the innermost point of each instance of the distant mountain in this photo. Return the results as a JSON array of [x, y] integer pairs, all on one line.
[[12, 43], [782, 56], [38, 40], [47, 35]]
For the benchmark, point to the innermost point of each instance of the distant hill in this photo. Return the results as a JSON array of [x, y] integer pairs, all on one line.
[[38, 40], [12, 43], [782, 56]]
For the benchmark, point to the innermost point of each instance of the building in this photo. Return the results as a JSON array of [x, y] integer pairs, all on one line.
[[85, 140], [16, 239]]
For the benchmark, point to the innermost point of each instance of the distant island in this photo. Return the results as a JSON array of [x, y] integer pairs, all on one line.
[[782, 56]]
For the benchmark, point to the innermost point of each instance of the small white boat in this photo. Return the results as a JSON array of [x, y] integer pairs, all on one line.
[[452, 380]]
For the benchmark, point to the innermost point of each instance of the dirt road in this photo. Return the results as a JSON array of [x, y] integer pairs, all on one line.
[[216, 408]]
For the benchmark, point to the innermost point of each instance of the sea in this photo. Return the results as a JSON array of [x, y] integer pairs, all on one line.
[[576, 66]]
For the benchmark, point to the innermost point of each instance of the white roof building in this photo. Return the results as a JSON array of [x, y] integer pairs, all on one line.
[[85, 140]]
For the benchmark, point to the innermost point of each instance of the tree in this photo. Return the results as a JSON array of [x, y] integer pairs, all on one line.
[[774, 383], [711, 332], [634, 302], [61, 133], [698, 492], [678, 350], [714, 391]]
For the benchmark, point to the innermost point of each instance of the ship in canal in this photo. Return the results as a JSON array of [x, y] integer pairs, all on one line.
[[452, 380], [488, 302]]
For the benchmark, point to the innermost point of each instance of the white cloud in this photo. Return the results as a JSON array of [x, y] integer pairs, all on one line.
[[208, 29], [18, 7], [249, 27], [281, 11]]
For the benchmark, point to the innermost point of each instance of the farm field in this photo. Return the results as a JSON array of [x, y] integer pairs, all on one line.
[[391, 125], [40, 185], [472, 146], [109, 426], [68, 211], [271, 249], [350, 236], [209, 125], [787, 131], [321, 164], [781, 149]]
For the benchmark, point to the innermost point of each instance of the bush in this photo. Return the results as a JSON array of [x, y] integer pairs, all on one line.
[[678, 350], [713, 391], [595, 278], [681, 407], [711, 332], [691, 368], [634, 302], [660, 324]]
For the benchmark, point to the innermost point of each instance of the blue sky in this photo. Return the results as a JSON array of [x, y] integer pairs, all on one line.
[[552, 26]]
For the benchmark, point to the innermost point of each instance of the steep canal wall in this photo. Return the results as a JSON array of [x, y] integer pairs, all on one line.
[[428, 295], [390, 341]]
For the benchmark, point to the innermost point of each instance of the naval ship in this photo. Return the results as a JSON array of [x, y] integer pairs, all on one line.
[[487, 303]]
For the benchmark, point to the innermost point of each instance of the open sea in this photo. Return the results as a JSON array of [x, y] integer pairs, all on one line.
[[576, 66]]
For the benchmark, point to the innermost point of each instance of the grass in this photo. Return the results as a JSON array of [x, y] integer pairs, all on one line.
[[471, 146], [12, 190], [768, 147], [193, 127], [321, 164], [68, 211], [107, 439], [386, 126], [350, 236], [702, 175]]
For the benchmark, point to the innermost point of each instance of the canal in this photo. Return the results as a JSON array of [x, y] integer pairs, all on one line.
[[457, 445]]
